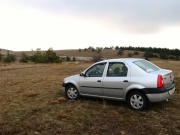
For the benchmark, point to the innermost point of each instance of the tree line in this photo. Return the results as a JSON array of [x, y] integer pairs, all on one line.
[[149, 52], [39, 57], [173, 52], [48, 57], [163, 53], [51, 57]]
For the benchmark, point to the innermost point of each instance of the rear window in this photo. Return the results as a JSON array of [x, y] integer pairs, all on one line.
[[146, 66]]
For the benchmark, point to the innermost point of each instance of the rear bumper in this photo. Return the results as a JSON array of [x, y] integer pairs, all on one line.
[[157, 97]]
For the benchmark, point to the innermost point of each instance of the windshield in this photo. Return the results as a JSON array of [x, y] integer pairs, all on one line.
[[146, 66]]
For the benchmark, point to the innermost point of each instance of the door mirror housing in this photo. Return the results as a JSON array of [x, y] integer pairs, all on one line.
[[82, 74], [85, 75]]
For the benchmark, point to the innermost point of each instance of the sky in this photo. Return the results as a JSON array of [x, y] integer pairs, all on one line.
[[72, 24]]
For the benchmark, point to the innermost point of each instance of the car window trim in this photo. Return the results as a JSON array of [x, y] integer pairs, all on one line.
[[105, 63]]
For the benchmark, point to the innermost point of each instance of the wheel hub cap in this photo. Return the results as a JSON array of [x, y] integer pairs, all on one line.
[[136, 101], [72, 93]]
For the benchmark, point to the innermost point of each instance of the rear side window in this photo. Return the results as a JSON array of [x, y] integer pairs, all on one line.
[[146, 66], [117, 69]]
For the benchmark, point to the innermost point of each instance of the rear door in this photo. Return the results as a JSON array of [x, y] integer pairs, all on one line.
[[116, 80]]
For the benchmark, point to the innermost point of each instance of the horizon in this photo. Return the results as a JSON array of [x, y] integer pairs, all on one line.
[[39, 49], [69, 24]]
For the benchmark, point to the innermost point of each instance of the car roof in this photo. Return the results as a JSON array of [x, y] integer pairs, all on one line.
[[122, 59]]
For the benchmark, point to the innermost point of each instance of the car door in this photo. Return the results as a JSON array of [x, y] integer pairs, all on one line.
[[91, 82], [116, 80]]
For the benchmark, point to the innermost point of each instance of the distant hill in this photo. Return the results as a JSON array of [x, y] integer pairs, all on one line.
[[105, 53], [4, 51], [116, 52]]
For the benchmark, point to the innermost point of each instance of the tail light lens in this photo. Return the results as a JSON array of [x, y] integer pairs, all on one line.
[[160, 82]]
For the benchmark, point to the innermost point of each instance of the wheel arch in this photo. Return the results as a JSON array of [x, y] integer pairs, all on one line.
[[71, 83], [134, 103], [133, 90]]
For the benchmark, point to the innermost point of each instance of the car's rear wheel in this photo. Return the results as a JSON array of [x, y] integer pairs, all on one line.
[[72, 92], [137, 100]]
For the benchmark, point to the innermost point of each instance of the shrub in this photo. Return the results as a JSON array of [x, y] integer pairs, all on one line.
[[98, 49], [163, 56], [90, 47], [51, 57], [105, 48], [117, 48], [24, 58], [171, 57], [48, 57], [177, 58], [97, 57], [155, 56], [136, 53], [74, 59], [0, 57], [146, 58], [120, 52], [130, 55], [93, 50], [9, 58], [37, 57], [150, 55], [68, 58]]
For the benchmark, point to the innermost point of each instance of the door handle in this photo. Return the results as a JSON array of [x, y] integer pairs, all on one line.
[[125, 81], [98, 80]]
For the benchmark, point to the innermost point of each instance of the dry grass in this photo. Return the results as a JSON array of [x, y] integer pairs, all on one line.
[[32, 103]]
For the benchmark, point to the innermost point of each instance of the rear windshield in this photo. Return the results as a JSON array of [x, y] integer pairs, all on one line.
[[146, 66]]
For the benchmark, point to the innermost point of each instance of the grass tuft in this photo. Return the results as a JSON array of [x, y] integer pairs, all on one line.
[[30, 94]]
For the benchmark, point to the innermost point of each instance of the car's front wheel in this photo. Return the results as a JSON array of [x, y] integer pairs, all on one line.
[[72, 92], [137, 100]]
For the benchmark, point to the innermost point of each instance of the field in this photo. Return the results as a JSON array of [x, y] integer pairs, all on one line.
[[32, 103]]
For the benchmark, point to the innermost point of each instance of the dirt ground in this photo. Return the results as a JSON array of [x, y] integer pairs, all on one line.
[[32, 103]]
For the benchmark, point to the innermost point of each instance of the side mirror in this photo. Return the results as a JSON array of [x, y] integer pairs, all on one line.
[[82, 74]]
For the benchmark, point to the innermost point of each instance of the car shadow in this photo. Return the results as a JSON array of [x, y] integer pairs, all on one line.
[[115, 103]]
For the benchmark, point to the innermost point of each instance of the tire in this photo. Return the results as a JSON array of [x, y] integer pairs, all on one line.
[[72, 92], [137, 100]]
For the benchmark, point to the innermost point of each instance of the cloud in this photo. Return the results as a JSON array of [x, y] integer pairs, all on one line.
[[80, 23], [138, 16]]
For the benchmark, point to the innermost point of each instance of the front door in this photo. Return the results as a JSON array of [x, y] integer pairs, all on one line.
[[91, 83]]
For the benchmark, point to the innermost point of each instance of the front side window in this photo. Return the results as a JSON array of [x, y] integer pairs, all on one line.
[[96, 71], [117, 69], [146, 66]]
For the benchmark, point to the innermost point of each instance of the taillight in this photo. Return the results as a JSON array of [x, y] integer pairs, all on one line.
[[160, 82]]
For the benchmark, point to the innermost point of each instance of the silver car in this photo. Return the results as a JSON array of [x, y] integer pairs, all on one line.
[[136, 81]]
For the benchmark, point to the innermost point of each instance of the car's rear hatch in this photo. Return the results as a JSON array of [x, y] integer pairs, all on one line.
[[167, 76]]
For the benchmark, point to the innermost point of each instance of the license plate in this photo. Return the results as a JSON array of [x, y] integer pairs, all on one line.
[[171, 91]]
